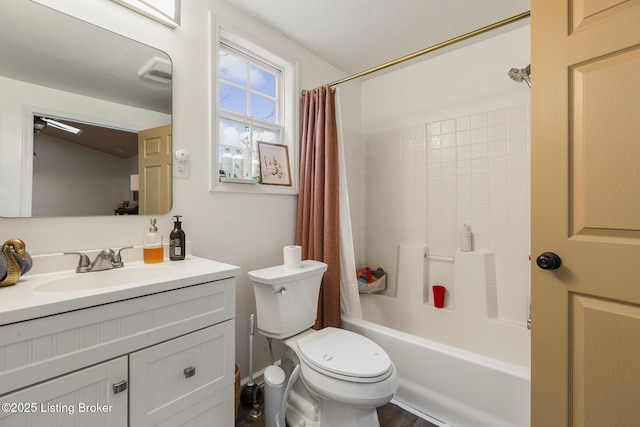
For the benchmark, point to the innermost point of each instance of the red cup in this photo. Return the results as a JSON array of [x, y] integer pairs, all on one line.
[[438, 296]]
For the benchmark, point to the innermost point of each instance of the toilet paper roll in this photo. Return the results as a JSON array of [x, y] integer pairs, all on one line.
[[292, 257]]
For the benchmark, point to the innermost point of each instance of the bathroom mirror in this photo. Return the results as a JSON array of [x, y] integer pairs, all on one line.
[[57, 71]]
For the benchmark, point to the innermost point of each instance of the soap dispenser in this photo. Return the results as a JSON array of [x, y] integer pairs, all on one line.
[[177, 241], [152, 249]]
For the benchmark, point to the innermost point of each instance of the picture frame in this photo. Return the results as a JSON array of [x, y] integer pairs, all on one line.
[[274, 164]]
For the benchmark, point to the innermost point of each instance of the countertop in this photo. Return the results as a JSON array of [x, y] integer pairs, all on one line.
[[23, 301]]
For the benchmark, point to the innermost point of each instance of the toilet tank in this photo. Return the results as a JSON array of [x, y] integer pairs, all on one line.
[[287, 299]]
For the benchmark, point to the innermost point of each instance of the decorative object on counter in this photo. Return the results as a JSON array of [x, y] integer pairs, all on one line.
[[465, 239], [152, 250], [370, 282], [177, 241], [14, 262]]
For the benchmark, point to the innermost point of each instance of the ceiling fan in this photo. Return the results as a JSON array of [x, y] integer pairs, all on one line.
[[43, 122]]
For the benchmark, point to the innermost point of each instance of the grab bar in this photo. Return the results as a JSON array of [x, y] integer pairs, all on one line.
[[441, 258]]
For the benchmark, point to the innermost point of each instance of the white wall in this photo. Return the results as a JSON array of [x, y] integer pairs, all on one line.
[[242, 229], [461, 82], [447, 143], [72, 180]]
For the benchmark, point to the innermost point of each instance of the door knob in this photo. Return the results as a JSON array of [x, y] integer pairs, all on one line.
[[548, 261]]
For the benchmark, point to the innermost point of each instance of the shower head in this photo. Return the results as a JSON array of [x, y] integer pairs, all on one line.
[[521, 75]]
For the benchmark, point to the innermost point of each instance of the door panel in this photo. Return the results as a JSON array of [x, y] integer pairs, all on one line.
[[604, 150], [605, 349], [586, 12], [154, 167], [585, 151]]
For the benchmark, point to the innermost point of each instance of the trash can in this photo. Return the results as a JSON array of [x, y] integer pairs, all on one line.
[[274, 387]]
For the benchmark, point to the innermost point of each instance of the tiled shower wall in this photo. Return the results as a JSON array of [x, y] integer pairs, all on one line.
[[423, 183], [395, 197]]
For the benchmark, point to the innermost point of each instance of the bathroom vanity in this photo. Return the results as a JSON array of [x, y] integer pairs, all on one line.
[[138, 346]]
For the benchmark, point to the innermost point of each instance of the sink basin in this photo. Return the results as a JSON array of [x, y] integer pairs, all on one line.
[[106, 278]]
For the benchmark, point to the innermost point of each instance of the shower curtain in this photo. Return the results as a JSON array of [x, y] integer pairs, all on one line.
[[323, 226], [318, 202], [349, 297]]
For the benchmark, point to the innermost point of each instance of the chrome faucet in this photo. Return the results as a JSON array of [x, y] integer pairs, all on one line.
[[107, 259]]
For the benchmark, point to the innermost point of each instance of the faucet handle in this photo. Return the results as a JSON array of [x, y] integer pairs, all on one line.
[[117, 259], [84, 262]]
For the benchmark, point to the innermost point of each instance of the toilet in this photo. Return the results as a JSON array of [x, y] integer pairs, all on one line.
[[342, 377]]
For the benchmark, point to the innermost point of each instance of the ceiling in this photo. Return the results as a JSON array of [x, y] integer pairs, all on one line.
[[44, 47], [355, 35], [116, 142]]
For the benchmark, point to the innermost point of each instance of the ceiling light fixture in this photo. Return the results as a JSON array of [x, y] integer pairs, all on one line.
[[62, 126], [166, 12]]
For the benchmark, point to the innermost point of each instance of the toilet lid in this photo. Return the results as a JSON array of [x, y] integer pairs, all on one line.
[[344, 353]]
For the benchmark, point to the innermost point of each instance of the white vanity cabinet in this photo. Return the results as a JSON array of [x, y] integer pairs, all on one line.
[[161, 359]]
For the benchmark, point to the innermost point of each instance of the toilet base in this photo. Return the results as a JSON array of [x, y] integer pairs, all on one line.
[[326, 413], [335, 414], [306, 409]]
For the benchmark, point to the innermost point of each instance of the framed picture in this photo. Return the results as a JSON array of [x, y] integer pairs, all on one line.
[[274, 164]]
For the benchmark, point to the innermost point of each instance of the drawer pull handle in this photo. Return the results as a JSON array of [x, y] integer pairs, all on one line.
[[119, 387], [189, 372]]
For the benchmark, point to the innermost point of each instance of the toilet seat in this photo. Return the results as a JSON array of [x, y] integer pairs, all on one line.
[[344, 355]]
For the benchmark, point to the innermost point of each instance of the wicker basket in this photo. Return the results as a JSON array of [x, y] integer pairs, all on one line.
[[237, 401]]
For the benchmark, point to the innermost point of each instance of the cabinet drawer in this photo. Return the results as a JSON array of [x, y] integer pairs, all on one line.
[[83, 398], [169, 377]]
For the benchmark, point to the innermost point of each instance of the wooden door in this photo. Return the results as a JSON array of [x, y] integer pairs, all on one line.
[[586, 209], [154, 168]]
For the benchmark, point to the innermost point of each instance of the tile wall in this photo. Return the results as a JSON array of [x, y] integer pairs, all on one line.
[[395, 198], [423, 183]]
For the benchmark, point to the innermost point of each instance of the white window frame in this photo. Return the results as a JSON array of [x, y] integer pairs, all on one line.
[[149, 9], [288, 108]]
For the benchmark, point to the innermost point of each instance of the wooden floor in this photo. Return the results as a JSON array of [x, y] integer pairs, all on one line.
[[390, 415]]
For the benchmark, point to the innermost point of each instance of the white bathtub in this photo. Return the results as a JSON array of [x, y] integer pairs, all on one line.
[[457, 387]]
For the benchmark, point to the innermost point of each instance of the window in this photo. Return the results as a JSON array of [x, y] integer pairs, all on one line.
[[253, 94], [166, 12]]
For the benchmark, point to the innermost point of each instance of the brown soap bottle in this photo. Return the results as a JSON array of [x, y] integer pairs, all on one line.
[[177, 241]]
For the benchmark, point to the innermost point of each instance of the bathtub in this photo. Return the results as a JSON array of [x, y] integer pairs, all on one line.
[[456, 387]]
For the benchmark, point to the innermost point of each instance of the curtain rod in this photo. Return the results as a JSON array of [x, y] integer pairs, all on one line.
[[435, 47]]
